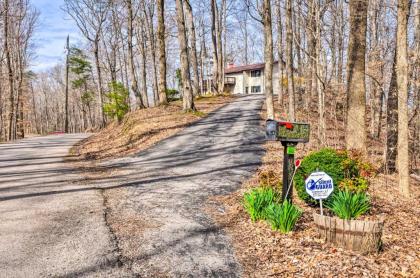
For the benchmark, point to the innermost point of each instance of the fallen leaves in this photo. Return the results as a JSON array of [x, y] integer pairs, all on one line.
[[264, 253]]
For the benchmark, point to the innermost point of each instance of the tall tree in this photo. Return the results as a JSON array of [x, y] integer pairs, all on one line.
[[66, 125], [214, 39], [90, 16], [193, 46], [403, 9], [280, 50], [268, 58], [133, 77], [289, 60], [188, 99], [356, 89], [162, 51], [7, 50]]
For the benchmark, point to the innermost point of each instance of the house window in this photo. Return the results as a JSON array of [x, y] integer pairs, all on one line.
[[255, 89], [256, 73], [246, 90]]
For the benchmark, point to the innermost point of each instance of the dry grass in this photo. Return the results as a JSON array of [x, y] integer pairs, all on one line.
[[143, 128], [264, 253]]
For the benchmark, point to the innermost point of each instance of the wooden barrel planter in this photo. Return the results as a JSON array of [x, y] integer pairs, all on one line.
[[356, 235]]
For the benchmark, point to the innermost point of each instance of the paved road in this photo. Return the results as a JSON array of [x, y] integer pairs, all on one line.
[[167, 186], [53, 224], [49, 224]]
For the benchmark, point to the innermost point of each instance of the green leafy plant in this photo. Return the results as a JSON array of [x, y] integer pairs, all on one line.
[[257, 200], [354, 185], [117, 105], [347, 169], [348, 205], [283, 217], [326, 160], [172, 94]]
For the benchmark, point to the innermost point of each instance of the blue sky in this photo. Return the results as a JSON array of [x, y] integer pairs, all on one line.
[[50, 36]]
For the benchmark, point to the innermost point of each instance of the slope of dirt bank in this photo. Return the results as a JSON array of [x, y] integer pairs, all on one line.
[[143, 128]]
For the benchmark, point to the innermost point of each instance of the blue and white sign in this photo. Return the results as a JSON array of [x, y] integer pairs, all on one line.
[[319, 185]]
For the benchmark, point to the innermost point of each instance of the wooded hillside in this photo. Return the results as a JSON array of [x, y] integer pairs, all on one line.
[[355, 60]]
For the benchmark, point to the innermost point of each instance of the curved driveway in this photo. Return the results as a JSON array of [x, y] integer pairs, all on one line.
[[167, 186], [53, 224]]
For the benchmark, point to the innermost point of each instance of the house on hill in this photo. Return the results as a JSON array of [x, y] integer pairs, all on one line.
[[249, 79]]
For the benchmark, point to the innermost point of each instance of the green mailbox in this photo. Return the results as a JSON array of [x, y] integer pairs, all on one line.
[[289, 134], [293, 132]]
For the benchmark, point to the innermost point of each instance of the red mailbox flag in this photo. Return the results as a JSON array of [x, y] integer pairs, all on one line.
[[297, 163]]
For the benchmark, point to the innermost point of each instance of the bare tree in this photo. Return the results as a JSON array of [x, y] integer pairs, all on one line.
[[162, 51], [280, 50], [268, 58], [289, 60], [193, 43], [356, 89], [133, 77], [214, 39], [188, 99], [90, 16], [7, 50], [402, 85]]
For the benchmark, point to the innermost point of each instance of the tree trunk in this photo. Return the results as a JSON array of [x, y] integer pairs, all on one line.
[[392, 121], [162, 51], [220, 81], [142, 44], [188, 100], [12, 115], [148, 16], [289, 60], [402, 85], [214, 18], [133, 77], [193, 43], [100, 90], [268, 58], [356, 89], [280, 52], [66, 124]]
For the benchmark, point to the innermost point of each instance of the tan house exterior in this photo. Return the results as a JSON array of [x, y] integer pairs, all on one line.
[[249, 79]]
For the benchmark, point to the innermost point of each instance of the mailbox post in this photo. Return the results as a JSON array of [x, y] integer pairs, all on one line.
[[289, 134]]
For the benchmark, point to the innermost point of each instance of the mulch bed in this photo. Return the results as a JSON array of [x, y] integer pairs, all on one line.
[[265, 253]]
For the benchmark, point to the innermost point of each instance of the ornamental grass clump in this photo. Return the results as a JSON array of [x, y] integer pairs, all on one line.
[[283, 217], [348, 205], [257, 200]]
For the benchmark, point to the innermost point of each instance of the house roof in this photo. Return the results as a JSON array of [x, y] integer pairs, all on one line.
[[242, 68]]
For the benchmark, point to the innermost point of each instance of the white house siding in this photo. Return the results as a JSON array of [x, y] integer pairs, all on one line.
[[243, 79], [239, 83]]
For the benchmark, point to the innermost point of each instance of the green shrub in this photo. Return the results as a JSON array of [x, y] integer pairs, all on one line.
[[348, 205], [283, 217], [117, 105], [172, 94], [257, 200], [347, 169], [354, 185], [326, 160]]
